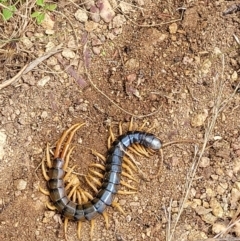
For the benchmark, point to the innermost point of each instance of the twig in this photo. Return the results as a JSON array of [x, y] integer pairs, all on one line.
[[30, 66], [119, 107], [14, 79], [218, 106]]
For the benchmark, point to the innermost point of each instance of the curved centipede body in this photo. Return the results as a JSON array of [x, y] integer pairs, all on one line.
[[78, 211]]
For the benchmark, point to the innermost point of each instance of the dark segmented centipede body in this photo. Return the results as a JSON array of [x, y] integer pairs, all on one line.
[[111, 180]]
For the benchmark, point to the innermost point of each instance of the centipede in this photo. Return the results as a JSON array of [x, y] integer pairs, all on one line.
[[68, 197]]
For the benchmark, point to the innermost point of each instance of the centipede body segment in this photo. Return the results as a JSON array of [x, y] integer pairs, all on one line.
[[75, 204]]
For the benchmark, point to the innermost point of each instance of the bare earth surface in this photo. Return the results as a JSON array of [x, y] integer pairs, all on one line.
[[168, 62]]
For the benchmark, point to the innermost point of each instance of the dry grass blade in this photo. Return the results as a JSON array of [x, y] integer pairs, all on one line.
[[30, 66], [219, 105]]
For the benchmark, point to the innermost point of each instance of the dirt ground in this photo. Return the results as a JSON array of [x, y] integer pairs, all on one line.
[[172, 64]]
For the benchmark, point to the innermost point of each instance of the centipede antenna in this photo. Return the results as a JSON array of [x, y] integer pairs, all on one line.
[[60, 141], [79, 228], [66, 146], [105, 216]]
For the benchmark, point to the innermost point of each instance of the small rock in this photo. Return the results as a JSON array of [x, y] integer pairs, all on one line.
[[199, 119], [49, 31], [67, 53], [44, 115], [205, 162], [219, 227], [20, 184], [234, 76], [43, 81], [47, 23], [217, 209], [94, 13], [209, 218], [118, 21], [132, 64], [128, 218], [206, 67], [173, 28], [200, 210], [26, 41], [236, 165], [81, 15], [236, 229], [125, 7], [97, 50], [3, 139], [90, 26], [106, 11], [235, 196]]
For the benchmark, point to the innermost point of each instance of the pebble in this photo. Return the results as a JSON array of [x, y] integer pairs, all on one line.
[[209, 218], [3, 140], [132, 64], [236, 229], [106, 11], [81, 15], [217, 209], [219, 227], [90, 26], [206, 67], [44, 115], [47, 23], [20, 184], [200, 210], [173, 28], [42, 82], [205, 162], [128, 218], [234, 76], [27, 42], [67, 53], [199, 119]]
